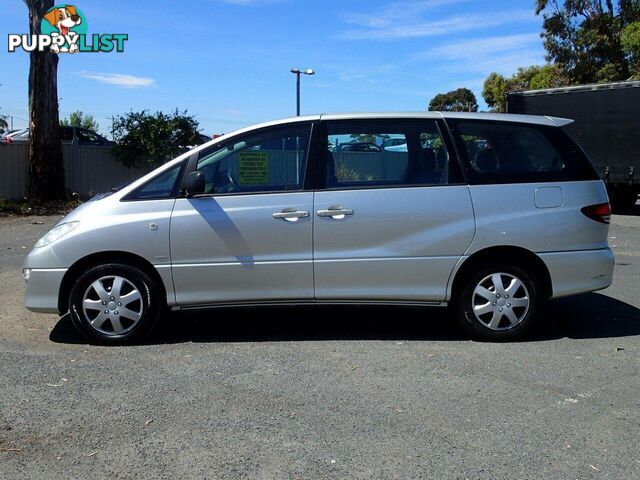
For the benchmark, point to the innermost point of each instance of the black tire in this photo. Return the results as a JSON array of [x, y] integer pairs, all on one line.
[[148, 308], [462, 304]]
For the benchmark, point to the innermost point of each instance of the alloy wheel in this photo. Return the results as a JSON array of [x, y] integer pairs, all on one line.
[[112, 305], [500, 301]]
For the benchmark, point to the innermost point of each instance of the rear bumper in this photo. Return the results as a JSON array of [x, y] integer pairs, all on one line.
[[43, 287], [579, 271]]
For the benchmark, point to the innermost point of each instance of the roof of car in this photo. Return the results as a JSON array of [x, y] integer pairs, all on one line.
[[502, 117]]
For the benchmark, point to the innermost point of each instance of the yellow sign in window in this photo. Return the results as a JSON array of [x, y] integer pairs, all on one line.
[[253, 168]]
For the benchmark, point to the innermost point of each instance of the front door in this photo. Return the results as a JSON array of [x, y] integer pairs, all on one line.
[[394, 217], [249, 238]]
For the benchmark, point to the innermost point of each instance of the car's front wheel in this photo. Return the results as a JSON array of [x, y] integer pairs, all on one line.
[[497, 302], [115, 304]]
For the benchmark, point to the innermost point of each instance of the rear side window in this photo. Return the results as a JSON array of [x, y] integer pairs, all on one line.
[[501, 152], [375, 153]]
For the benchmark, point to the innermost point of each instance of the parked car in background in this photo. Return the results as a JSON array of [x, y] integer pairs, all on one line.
[[7, 133], [488, 214], [82, 136], [393, 142], [9, 136], [359, 147], [69, 134], [202, 139]]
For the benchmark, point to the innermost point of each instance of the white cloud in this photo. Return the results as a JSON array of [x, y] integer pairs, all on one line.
[[469, 49], [502, 54], [400, 26], [358, 73], [405, 11], [119, 79]]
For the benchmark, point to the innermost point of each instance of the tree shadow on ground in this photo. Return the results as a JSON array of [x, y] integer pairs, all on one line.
[[590, 315]]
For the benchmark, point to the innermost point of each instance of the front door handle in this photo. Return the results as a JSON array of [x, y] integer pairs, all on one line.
[[290, 214], [336, 212]]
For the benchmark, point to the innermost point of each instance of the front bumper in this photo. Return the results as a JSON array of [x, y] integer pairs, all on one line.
[[43, 287], [579, 271]]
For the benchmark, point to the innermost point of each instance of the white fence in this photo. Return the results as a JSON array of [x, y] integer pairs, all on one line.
[[87, 170], [90, 170], [373, 165]]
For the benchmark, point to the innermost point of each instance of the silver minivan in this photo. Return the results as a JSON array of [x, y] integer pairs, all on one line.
[[488, 214]]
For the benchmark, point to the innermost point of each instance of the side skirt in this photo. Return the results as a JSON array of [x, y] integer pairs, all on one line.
[[277, 303]]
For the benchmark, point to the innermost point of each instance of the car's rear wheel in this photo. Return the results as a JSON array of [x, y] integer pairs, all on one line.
[[497, 302], [115, 304]]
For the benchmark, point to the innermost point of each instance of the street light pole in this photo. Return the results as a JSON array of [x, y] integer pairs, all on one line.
[[297, 72], [298, 94]]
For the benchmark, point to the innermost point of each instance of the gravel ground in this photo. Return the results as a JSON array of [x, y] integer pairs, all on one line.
[[324, 392]]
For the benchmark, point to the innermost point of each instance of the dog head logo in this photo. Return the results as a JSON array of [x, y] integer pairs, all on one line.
[[63, 18], [67, 22]]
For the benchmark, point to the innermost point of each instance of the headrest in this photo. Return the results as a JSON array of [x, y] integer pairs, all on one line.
[[427, 160], [486, 160]]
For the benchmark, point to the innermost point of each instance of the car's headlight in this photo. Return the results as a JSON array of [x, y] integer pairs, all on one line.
[[56, 233]]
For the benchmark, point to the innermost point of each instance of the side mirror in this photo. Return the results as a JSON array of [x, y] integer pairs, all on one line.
[[194, 184]]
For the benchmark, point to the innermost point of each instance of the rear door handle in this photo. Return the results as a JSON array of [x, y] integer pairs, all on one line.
[[336, 212], [290, 214]]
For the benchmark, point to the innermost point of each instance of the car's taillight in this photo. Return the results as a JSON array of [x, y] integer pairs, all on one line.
[[600, 212]]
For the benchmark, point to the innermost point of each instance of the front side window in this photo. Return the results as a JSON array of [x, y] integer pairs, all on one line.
[[385, 153], [500, 152], [271, 160]]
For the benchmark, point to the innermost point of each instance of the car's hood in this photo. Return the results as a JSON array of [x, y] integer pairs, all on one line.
[[89, 209]]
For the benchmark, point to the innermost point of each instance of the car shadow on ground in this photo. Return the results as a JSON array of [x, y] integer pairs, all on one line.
[[585, 316]]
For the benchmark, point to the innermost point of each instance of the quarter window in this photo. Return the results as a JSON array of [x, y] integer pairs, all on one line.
[[162, 186], [271, 160], [364, 154], [500, 152]]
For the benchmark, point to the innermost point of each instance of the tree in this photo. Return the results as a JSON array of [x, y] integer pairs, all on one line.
[[584, 37], [368, 137], [46, 171], [497, 86], [631, 45], [78, 119], [145, 139], [460, 100], [4, 125], [494, 92]]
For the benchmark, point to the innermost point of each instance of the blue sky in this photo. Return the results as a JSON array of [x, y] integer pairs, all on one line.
[[228, 61]]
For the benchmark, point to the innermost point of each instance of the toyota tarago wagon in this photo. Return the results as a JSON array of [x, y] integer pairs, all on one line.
[[488, 214]]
